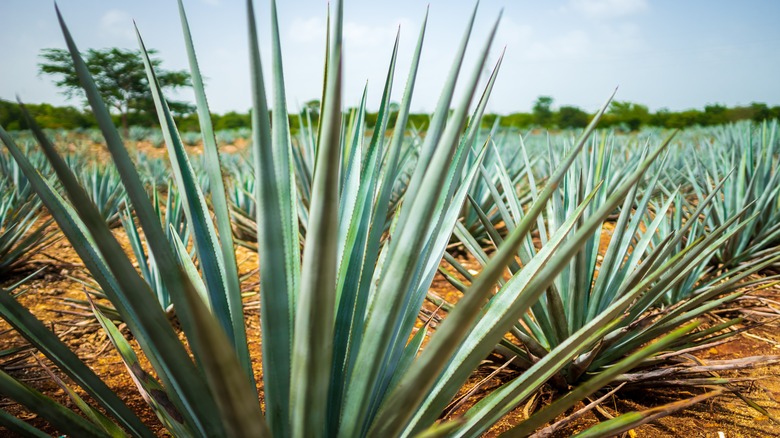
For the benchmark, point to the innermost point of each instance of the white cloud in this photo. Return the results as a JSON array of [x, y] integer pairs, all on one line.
[[604, 9], [512, 33], [356, 35], [366, 36], [307, 30], [574, 44], [609, 41], [117, 23]]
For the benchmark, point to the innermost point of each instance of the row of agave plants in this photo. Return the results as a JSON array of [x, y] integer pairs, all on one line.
[[598, 255]]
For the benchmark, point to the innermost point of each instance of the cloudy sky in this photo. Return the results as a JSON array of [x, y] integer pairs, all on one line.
[[664, 54]]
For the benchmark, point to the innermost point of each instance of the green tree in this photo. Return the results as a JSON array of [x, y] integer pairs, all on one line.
[[715, 115], [631, 115], [120, 77], [572, 117], [683, 119], [761, 111], [232, 120], [542, 111], [518, 120]]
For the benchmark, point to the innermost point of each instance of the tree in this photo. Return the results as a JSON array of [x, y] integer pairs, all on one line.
[[518, 120], [572, 117], [761, 111], [631, 115], [120, 78], [232, 120], [542, 111], [715, 115]]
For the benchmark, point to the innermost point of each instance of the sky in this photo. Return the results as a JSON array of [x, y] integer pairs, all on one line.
[[664, 54]]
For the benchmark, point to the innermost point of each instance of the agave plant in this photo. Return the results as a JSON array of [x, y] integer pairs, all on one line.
[[153, 171], [172, 218], [22, 233], [506, 152], [242, 203], [339, 346], [630, 271], [11, 174], [105, 189], [751, 153], [190, 138]]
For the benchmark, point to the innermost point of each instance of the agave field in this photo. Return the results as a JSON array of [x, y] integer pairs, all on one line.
[[340, 279]]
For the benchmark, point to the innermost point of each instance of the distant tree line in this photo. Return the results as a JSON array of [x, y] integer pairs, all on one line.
[[629, 116], [120, 78], [626, 116]]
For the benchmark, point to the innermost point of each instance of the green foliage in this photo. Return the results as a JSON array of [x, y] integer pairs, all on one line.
[[22, 236], [49, 116], [565, 117], [518, 120], [373, 212], [750, 155], [119, 76], [296, 384], [171, 216], [628, 115], [231, 120], [542, 111], [23, 233], [648, 269], [569, 117]]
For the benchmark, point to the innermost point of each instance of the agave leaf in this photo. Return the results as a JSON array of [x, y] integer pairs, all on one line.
[[470, 243], [630, 420], [438, 122], [199, 219], [151, 391], [352, 300], [410, 352], [279, 252], [503, 211], [393, 162], [232, 287], [50, 345], [353, 196], [92, 414], [444, 429], [14, 424], [315, 313], [467, 357], [285, 176], [595, 383], [150, 319], [152, 328], [237, 402], [189, 267], [60, 417]]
